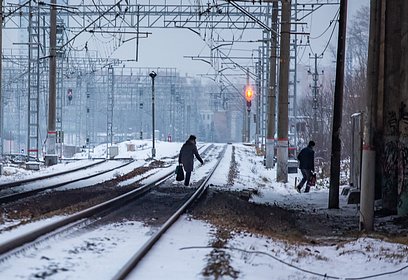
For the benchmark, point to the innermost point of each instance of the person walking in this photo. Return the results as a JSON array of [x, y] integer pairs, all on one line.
[[186, 157], [306, 165]]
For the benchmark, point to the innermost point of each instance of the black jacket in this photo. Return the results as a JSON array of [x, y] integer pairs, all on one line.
[[186, 156], [306, 158]]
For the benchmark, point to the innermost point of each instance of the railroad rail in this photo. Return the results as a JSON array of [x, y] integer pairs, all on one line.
[[25, 193], [33, 179], [138, 256], [19, 243]]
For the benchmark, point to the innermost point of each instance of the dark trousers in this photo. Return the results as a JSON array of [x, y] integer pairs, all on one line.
[[306, 173], [187, 179]]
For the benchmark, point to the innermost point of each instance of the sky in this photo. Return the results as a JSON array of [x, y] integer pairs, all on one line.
[[183, 250], [181, 43], [173, 47]]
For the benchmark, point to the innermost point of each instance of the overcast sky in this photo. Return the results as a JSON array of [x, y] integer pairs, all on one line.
[[169, 47]]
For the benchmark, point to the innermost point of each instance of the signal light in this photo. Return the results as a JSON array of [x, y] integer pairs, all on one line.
[[248, 94]]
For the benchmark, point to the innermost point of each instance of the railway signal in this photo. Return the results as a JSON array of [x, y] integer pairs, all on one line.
[[248, 96]]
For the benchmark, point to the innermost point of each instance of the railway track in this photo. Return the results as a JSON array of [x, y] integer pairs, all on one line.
[[143, 251], [25, 188], [97, 214], [8, 185]]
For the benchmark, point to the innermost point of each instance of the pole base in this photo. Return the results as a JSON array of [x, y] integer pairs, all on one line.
[[51, 160]]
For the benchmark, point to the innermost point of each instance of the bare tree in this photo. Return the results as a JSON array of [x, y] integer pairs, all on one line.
[[355, 84], [356, 73]]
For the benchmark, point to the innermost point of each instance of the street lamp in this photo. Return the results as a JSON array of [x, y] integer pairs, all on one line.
[[153, 75]]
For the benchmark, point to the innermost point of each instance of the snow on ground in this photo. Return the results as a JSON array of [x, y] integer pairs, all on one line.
[[182, 252], [255, 257], [14, 172]]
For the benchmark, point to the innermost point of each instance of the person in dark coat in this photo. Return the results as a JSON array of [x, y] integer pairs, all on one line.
[[306, 165], [186, 157]]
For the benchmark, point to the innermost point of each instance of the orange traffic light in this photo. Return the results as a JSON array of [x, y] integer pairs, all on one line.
[[248, 93]]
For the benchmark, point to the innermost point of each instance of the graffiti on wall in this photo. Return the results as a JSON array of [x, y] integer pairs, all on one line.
[[390, 173], [403, 120], [403, 175], [395, 158], [403, 160], [392, 122]]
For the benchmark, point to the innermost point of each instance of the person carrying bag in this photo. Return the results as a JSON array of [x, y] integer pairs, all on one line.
[[306, 165], [186, 157]]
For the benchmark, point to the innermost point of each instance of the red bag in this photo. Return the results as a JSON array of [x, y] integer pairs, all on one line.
[[312, 180]]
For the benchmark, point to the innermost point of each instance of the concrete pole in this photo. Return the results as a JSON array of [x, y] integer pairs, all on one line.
[[368, 160], [283, 102], [258, 102], [338, 109], [403, 194], [390, 48], [1, 76], [270, 135], [51, 156]]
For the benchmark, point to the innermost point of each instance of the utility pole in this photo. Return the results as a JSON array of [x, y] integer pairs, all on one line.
[[109, 110], [338, 109], [270, 135], [315, 76], [258, 68], [51, 156], [403, 195], [283, 104], [1, 84], [368, 158]]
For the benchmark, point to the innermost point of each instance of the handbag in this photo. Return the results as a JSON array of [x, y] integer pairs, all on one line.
[[179, 173], [312, 180]]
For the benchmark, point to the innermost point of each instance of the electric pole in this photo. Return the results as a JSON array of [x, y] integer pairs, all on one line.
[[1, 84], [270, 135], [51, 152], [315, 87], [283, 104], [338, 109], [368, 158]]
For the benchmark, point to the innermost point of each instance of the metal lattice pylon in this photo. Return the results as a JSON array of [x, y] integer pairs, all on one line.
[[60, 84], [110, 105], [292, 107], [90, 111], [33, 80]]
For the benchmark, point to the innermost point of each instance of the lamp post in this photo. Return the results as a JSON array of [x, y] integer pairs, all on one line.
[[153, 75]]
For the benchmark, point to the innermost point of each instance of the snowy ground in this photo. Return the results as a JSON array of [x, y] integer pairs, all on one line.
[[183, 251]]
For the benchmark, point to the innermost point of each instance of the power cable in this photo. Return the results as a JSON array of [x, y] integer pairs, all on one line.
[[95, 20], [295, 267], [335, 20], [331, 21], [331, 36]]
